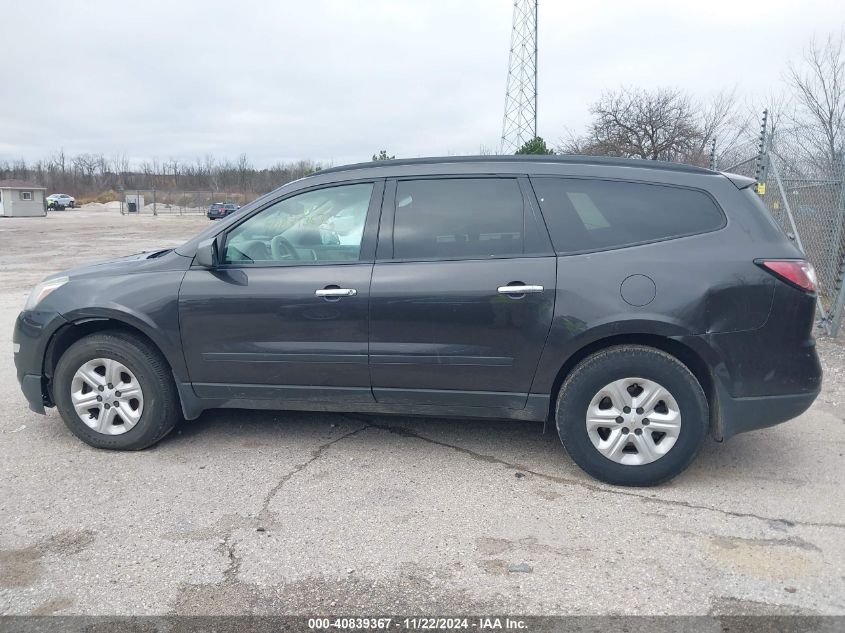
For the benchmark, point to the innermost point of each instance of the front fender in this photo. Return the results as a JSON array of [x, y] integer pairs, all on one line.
[[145, 301], [161, 333]]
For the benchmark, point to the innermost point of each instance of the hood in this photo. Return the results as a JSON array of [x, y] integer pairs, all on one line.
[[150, 261]]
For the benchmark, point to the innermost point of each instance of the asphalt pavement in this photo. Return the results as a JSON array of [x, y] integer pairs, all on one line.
[[314, 513]]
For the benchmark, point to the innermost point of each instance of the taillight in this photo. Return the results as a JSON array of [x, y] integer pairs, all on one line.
[[797, 272]]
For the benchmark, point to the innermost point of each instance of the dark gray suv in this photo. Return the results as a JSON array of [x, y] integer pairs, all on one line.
[[639, 306]]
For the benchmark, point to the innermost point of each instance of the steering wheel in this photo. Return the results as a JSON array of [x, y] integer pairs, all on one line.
[[281, 248]]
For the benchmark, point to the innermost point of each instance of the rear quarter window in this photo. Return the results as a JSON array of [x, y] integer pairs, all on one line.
[[767, 222], [588, 215]]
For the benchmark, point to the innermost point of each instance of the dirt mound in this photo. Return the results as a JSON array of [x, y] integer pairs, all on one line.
[[94, 206]]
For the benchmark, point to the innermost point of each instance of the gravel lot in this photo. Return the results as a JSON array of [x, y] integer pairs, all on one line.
[[294, 513]]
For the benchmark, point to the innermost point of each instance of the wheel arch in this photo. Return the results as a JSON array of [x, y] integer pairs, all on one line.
[[75, 330], [691, 359]]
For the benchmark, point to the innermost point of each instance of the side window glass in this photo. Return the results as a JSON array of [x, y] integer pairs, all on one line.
[[587, 215], [325, 225], [459, 218], [587, 211]]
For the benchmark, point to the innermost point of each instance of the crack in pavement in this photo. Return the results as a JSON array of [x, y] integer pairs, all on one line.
[[491, 459], [230, 574], [316, 454]]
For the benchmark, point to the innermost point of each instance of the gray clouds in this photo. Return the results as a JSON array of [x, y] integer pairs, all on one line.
[[336, 81]]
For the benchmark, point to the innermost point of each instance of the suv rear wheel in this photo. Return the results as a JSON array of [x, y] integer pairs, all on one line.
[[114, 390], [632, 415]]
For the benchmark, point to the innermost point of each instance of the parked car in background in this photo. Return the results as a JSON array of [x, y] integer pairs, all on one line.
[[219, 210], [60, 201], [635, 306]]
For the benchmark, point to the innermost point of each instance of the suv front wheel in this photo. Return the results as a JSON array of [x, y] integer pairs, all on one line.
[[632, 415], [114, 390]]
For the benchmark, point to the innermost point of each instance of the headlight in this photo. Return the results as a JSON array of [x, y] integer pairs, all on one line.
[[40, 292]]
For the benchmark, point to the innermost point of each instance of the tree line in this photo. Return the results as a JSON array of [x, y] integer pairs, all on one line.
[[99, 176]]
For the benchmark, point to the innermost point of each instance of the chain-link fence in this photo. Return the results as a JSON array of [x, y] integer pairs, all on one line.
[[157, 202], [810, 210]]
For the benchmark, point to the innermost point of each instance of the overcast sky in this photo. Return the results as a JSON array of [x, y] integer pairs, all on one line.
[[337, 80]]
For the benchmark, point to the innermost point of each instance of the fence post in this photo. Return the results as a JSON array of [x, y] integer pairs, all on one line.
[[839, 303], [155, 211], [774, 169], [713, 153], [786, 206], [836, 312], [761, 165]]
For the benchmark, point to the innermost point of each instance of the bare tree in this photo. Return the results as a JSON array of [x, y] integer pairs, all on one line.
[[85, 165], [633, 122], [244, 168], [662, 124], [59, 160], [719, 121], [173, 170], [819, 87], [212, 172], [120, 166]]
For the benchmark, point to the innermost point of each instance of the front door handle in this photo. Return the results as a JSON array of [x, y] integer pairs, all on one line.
[[336, 292], [519, 290]]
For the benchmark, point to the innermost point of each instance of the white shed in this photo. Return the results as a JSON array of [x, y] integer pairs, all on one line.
[[21, 199], [134, 203]]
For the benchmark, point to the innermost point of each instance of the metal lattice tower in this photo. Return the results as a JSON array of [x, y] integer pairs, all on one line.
[[520, 124]]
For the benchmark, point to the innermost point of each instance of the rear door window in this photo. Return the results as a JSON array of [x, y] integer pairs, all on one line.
[[458, 218], [586, 215]]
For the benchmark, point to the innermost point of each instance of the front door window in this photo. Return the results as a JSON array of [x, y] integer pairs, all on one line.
[[323, 226]]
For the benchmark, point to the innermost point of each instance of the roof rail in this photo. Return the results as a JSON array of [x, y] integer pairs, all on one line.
[[609, 161]]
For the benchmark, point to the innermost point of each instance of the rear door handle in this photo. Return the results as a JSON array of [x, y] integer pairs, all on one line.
[[336, 292], [519, 290]]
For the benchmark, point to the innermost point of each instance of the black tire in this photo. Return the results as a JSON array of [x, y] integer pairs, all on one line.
[[161, 409], [624, 361]]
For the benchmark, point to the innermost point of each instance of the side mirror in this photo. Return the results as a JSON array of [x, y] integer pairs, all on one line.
[[207, 254]]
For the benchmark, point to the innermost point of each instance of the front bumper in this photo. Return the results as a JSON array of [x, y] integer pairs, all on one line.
[[32, 334], [33, 390]]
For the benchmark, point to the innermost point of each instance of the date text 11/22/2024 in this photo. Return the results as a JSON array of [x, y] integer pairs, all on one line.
[[418, 623]]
